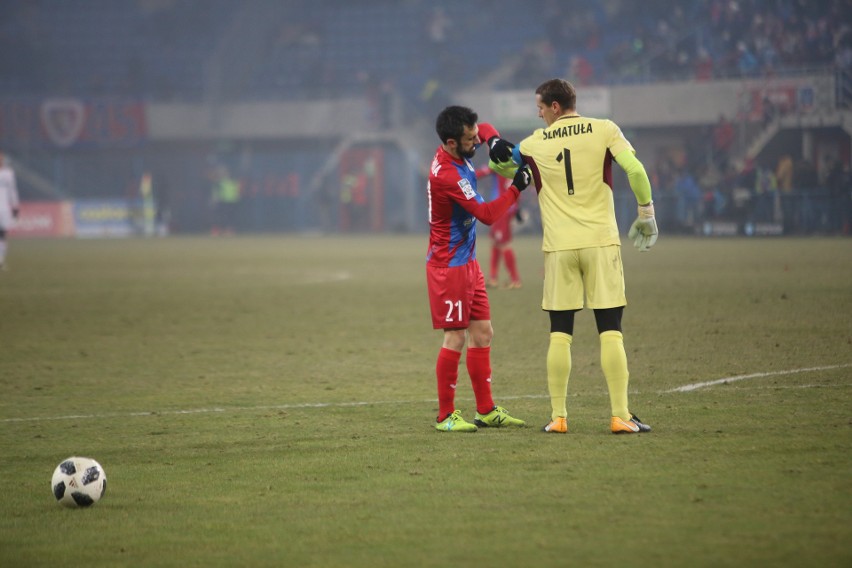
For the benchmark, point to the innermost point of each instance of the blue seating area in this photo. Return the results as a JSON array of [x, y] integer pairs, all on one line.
[[108, 47], [159, 49], [343, 47]]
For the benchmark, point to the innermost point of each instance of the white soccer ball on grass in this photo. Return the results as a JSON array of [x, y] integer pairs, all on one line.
[[78, 482]]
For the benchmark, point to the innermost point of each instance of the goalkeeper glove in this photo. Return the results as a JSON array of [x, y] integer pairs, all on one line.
[[522, 178], [506, 169], [499, 150], [643, 231]]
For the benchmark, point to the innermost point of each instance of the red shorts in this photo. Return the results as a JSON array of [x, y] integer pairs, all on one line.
[[457, 295]]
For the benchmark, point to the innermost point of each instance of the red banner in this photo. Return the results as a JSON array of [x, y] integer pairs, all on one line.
[[778, 100], [44, 219], [70, 122]]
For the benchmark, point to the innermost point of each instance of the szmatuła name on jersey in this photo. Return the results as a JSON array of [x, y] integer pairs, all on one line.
[[570, 130]]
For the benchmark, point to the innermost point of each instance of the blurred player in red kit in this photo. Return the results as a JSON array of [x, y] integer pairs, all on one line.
[[501, 234], [456, 285]]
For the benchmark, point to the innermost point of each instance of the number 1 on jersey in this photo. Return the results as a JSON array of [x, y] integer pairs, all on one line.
[[569, 175]]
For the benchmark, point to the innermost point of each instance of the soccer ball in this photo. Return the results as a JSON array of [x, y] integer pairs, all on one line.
[[78, 482]]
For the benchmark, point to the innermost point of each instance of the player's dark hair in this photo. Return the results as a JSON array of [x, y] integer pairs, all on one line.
[[560, 91], [452, 120]]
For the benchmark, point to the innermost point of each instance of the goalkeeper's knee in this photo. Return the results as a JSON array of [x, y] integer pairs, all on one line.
[[609, 319], [562, 322]]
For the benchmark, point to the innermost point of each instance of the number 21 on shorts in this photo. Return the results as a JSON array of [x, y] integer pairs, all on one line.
[[454, 310]]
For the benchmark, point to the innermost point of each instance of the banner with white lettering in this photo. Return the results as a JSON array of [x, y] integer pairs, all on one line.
[[44, 219], [517, 110], [106, 217]]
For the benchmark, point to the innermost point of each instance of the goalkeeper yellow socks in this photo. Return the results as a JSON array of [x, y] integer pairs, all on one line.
[[614, 365], [558, 371]]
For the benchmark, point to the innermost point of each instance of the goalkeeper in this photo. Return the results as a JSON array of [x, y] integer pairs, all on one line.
[[571, 161]]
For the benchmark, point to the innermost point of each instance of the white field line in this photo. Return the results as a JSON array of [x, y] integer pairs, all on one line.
[[685, 388], [727, 380]]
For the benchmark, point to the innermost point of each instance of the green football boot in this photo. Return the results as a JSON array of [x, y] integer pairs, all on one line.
[[497, 418], [455, 423]]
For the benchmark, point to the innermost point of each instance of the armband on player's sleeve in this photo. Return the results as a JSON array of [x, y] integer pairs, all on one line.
[[636, 176], [516, 155], [503, 169]]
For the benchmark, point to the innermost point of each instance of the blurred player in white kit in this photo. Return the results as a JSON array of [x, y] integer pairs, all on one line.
[[9, 204]]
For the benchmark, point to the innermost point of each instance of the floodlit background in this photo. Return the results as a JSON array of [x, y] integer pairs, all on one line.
[[269, 399], [322, 111]]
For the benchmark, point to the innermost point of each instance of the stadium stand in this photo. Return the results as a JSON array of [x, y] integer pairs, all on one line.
[[162, 49], [219, 52]]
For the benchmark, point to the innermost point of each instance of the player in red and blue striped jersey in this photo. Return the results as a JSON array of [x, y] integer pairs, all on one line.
[[456, 285]]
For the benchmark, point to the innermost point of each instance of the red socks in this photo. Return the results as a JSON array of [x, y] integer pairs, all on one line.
[[495, 262], [447, 371], [479, 369], [511, 265], [508, 255]]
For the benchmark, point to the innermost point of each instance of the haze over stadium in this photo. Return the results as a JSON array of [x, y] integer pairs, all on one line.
[[321, 111], [215, 286]]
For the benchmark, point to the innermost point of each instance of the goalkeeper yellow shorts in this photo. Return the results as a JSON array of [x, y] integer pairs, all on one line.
[[590, 277]]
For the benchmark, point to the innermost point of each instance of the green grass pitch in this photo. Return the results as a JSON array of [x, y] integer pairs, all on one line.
[[269, 401]]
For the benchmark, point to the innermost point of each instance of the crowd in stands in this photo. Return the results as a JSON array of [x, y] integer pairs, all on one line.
[[789, 192], [161, 49], [614, 42], [424, 51], [731, 38]]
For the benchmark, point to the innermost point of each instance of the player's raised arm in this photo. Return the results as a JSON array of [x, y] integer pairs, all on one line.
[[499, 149], [489, 212], [487, 131]]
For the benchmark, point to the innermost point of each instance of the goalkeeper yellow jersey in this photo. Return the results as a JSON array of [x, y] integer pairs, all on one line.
[[571, 161]]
